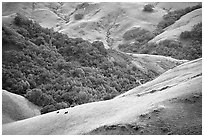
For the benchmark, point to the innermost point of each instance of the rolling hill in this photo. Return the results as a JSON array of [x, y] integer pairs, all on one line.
[[16, 107], [170, 104], [171, 6], [99, 21], [185, 23], [86, 68]]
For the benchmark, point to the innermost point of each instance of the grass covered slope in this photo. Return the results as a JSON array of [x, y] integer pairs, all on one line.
[[156, 63], [185, 23], [178, 34], [170, 104], [16, 107], [90, 21], [170, 6]]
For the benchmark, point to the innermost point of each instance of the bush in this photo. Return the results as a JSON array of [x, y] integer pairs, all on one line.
[[185, 35], [78, 16], [21, 20], [48, 108], [148, 8], [61, 105], [138, 34]]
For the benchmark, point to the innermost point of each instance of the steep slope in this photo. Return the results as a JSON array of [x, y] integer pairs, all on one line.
[[170, 6], [156, 63], [185, 23], [16, 107], [146, 63], [170, 104]]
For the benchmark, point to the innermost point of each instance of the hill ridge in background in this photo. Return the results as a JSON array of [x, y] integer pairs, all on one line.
[[95, 17]]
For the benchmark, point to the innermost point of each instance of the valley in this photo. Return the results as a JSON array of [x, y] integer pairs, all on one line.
[[87, 68]]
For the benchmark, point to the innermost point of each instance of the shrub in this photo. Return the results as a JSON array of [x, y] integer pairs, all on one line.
[[185, 35], [21, 20], [78, 16], [148, 8], [109, 96], [138, 34], [48, 108], [61, 105]]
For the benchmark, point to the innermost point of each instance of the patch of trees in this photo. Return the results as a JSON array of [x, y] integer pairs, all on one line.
[[54, 71], [172, 16], [194, 34], [130, 47], [193, 48], [140, 37], [190, 50], [138, 34]]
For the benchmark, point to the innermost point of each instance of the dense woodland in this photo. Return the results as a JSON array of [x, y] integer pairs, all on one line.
[[54, 71], [189, 46]]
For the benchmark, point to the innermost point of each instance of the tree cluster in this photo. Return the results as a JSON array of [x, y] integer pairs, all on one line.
[[54, 71], [172, 16], [192, 49]]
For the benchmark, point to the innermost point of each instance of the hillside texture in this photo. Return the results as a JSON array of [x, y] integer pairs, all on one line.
[[16, 107], [170, 104], [54, 71], [98, 68]]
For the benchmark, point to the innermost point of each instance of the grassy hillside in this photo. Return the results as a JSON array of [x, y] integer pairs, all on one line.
[[178, 35], [98, 21], [91, 69], [16, 107], [170, 104]]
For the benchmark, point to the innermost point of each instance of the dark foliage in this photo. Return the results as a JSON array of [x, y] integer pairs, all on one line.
[[148, 8], [54, 71], [138, 34], [140, 37], [78, 16], [191, 50]]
